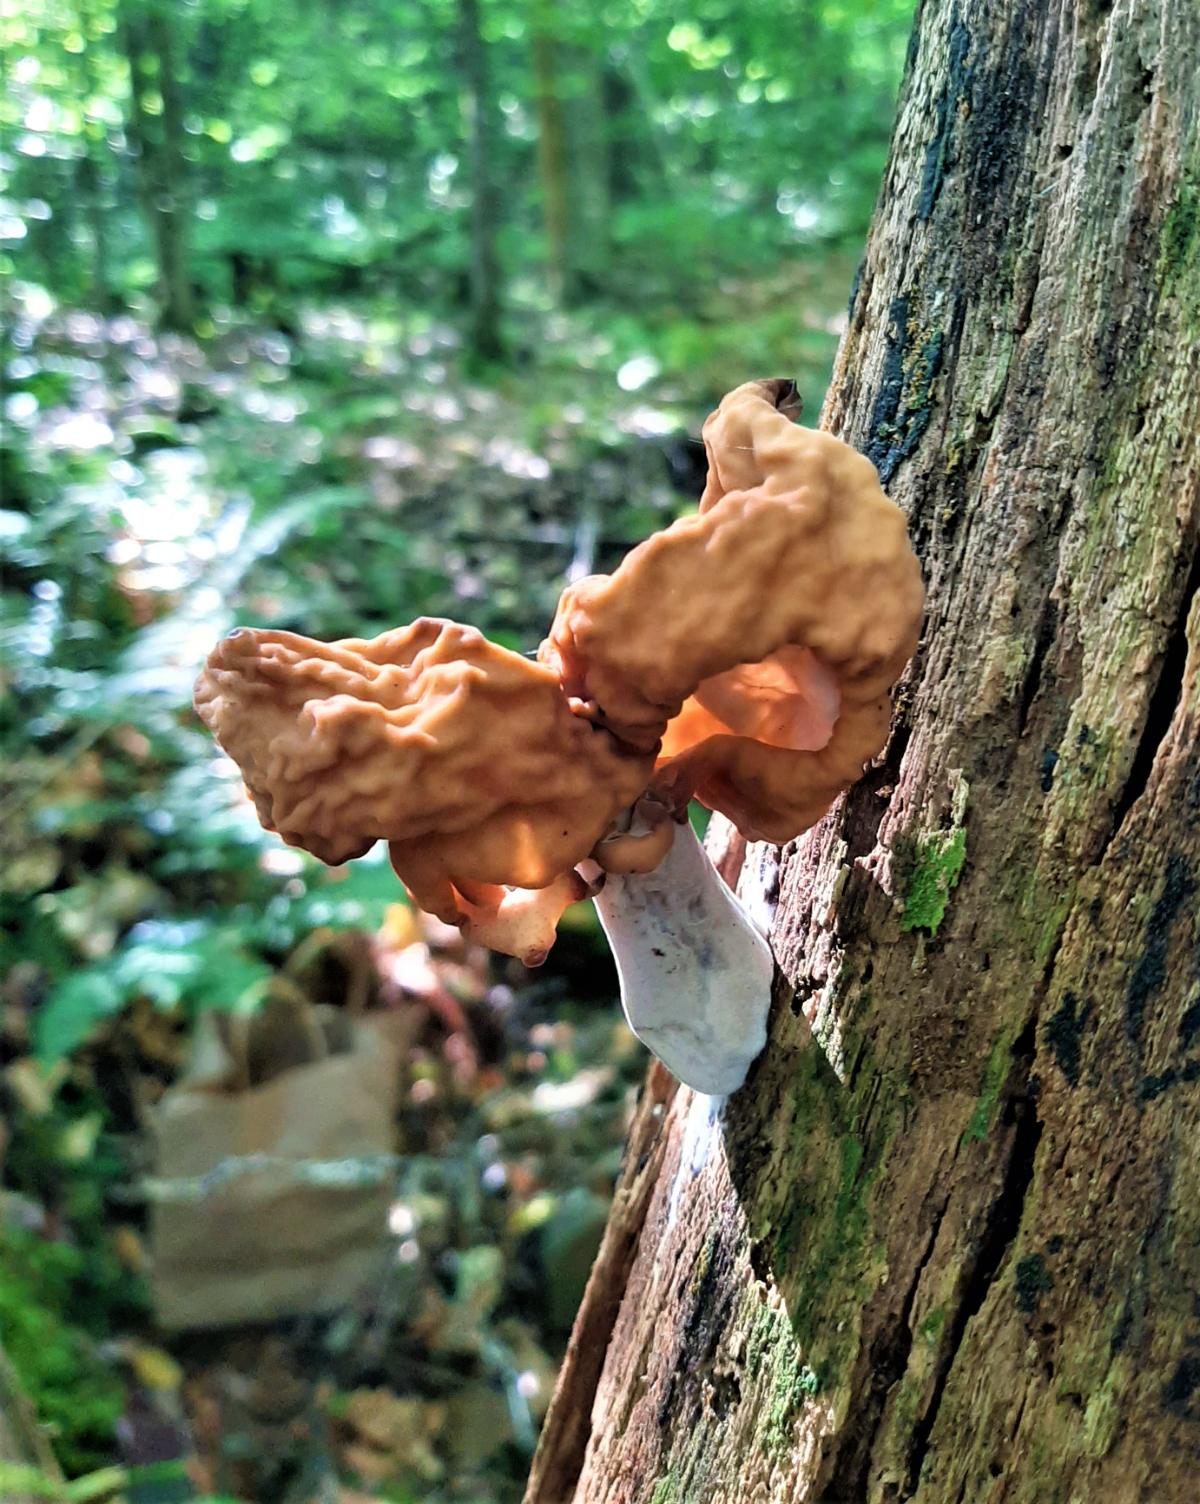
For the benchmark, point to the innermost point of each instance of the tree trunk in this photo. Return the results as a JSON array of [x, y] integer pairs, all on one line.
[[588, 142], [156, 134], [90, 167], [552, 151], [945, 1244], [485, 336]]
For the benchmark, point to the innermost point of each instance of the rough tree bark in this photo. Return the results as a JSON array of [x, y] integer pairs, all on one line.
[[945, 1244]]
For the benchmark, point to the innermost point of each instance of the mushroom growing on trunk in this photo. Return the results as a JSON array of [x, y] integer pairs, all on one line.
[[742, 657]]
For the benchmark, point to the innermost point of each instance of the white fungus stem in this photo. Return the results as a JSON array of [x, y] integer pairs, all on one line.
[[695, 974]]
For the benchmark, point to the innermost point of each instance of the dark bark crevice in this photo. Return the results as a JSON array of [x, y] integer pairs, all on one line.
[[1003, 1223], [866, 805], [1047, 631], [885, 1362], [1164, 702]]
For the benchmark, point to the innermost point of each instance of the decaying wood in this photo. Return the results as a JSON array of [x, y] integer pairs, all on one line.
[[945, 1244]]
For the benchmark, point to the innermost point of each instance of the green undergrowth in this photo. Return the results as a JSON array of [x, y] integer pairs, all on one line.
[[73, 1390]]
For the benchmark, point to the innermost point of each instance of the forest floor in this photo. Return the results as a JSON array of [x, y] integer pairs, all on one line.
[[337, 478]]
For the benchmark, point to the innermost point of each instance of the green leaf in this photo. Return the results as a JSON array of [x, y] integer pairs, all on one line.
[[73, 1009], [194, 963], [101, 1484]]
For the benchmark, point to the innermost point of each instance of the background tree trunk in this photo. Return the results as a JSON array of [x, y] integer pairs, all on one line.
[[591, 170], [155, 125], [546, 54], [90, 167], [945, 1244], [485, 336]]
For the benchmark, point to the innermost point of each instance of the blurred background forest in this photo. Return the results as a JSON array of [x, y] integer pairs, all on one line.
[[323, 315]]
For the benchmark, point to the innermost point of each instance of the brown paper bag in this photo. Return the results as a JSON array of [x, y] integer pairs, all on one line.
[[273, 1201]]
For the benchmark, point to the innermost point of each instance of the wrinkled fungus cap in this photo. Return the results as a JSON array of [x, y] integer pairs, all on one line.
[[463, 756], [742, 656], [759, 638]]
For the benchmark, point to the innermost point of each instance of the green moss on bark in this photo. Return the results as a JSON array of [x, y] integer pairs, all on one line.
[[774, 1350], [935, 874], [817, 1225], [995, 1073], [930, 1329], [1179, 242], [666, 1489]]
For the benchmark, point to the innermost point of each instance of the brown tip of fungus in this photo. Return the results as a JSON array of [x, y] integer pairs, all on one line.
[[639, 840], [783, 395]]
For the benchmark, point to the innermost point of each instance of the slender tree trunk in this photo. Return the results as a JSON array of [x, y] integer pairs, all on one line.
[[486, 339], [52, 240], [945, 1244], [587, 134], [156, 133], [552, 151], [173, 206], [91, 192], [90, 168], [644, 162]]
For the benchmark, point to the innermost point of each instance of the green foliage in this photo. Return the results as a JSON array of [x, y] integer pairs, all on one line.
[[73, 1390], [202, 963], [171, 964], [112, 887], [325, 150], [104, 1484]]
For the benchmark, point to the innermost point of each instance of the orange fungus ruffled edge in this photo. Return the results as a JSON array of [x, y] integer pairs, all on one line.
[[753, 644]]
